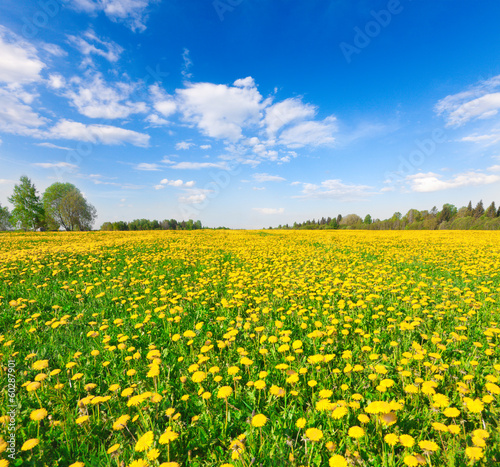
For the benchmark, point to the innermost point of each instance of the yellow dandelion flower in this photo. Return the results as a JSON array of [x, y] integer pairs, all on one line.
[[38, 415], [168, 436], [224, 392], [391, 439], [30, 444], [356, 432], [144, 442], [428, 445], [337, 461], [113, 448], [314, 434], [259, 420]]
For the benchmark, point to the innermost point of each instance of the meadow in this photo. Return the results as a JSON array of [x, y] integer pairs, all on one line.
[[240, 348]]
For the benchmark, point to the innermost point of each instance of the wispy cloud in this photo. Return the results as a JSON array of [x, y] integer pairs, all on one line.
[[428, 182], [335, 189], [268, 211], [264, 177]]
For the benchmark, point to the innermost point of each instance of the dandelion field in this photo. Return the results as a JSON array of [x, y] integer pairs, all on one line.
[[239, 348]]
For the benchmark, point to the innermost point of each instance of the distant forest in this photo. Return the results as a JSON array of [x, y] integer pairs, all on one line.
[[146, 224], [448, 218]]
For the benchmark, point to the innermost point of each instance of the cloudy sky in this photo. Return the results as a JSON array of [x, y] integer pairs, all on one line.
[[251, 113]]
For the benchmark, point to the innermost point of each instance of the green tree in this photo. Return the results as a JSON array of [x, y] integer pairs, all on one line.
[[66, 207], [368, 219], [28, 209], [492, 210], [4, 218], [478, 210]]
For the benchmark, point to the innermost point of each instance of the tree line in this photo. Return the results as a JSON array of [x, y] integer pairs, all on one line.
[[146, 224], [448, 218], [62, 205]]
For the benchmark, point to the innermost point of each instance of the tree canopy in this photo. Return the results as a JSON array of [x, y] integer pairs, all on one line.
[[28, 211], [66, 207]]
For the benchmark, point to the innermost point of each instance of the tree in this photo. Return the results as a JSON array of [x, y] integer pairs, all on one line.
[[4, 218], [492, 210], [448, 211], [478, 210], [28, 209], [469, 211], [368, 219], [65, 206]]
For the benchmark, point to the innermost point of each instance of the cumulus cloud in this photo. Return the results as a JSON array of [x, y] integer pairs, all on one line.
[[133, 13], [481, 101], [147, 167], [104, 134], [163, 103], [269, 210], [16, 116], [430, 181], [221, 111], [285, 112], [19, 62], [183, 145], [334, 189], [264, 177], [175, 183], [96, 99]]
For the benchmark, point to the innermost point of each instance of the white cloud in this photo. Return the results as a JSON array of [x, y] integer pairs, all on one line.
[[162, 102], [205, 146], [194, 196], [16, 116], [334, 189], [105, 134], [56, 81], [187, 64], [494, 168], [479, 102], [263, 177], [310, 133], [486, 140], [19, 62], [147, 167], [258, 188], [89, 44], [183, 145], [52, 146], [97, 99], [221, 111], [197, 165], [428, 182], [5, 181], [156, 121], [131, 12], [56, 165], [269, 210], [175, 183], [285, 112]]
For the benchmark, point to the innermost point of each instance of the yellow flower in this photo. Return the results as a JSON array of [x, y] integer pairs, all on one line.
[[198, 376], [410, 461], [38, 415], [356, 432], [451, 412], [474, 453], [391, 439], [77, 464], [113, 448], [363, 418], [440, 427], [259, 420], [121, 422], [224, 392], [337, 461], [300, 423], [153, 454], [473, 405], [30, 444], [81, 419], [407, 441], [428, 445], [144, 442], [168, 436], [40, 364], [313, 434]]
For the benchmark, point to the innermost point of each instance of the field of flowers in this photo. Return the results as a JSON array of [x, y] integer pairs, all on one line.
[[240, 348]]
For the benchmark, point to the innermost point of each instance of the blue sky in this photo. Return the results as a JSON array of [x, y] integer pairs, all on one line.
[[250, 113]]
